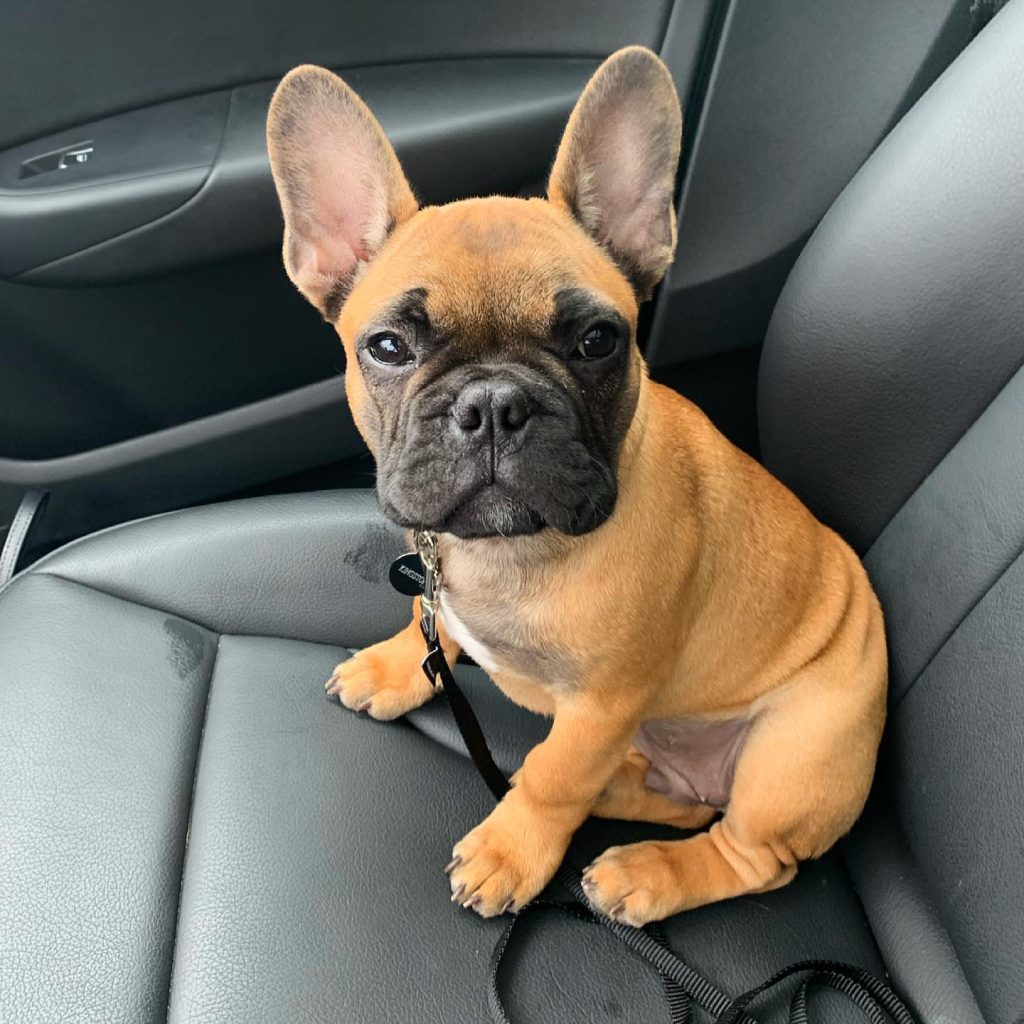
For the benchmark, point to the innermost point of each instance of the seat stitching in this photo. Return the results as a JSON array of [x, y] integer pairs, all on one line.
[[842, 862], [956, 627], [906, 866], [178, 615], [940, 459], [30, 574], [188, 826]]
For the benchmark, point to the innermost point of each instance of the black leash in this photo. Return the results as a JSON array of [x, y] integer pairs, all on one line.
[[681, 984], [436, 664]]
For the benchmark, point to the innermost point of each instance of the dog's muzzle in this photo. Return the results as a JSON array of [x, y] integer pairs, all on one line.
[[499, 455]]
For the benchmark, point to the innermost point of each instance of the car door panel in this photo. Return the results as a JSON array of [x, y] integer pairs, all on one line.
[[460, 127]]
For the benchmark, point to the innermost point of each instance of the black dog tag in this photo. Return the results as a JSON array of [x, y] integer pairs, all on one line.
[[406, 575]]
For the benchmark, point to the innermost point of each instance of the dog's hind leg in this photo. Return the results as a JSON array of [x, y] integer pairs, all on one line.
[[650, 881], [801, 780], [627, 798]]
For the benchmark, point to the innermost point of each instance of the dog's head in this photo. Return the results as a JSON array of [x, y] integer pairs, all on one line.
[[492, 365]]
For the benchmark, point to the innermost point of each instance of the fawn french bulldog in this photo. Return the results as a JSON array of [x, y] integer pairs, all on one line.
[[703, 644]]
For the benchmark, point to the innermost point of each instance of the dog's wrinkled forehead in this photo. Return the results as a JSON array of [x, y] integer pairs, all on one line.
[[491, 274]]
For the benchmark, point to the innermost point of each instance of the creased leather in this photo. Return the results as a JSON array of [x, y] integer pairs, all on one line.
[[953, 538], [905, 920], [956, 753], [101, 705], [285, 566]]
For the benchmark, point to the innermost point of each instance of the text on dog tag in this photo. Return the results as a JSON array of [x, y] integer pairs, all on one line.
[[406, 574]]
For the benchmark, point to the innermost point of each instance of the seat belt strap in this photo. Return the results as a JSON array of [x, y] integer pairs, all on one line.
[[29, 510]]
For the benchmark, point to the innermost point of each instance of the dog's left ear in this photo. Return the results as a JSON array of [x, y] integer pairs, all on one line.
[[616, 165]]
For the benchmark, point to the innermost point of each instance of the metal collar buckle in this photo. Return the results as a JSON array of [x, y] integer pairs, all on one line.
[[426, 547]]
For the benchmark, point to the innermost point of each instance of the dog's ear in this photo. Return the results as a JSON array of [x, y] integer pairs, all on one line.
[[616, 165], [341, 186]]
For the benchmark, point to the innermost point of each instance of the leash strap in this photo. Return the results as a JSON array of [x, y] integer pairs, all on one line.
[[435, 665], [680, 982], [675, 996]]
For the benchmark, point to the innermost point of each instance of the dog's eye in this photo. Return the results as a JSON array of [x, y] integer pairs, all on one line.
[[389, 349], [597, 343]]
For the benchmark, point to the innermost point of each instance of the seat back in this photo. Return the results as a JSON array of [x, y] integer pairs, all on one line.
[[891, 398]]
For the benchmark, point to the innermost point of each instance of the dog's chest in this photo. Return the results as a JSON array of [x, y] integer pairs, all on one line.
[[501, 641], [460, 633]]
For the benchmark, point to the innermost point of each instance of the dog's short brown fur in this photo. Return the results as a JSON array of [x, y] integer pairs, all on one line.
[[710, 593]]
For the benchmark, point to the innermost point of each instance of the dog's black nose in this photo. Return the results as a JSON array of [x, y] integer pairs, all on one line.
[[485, 407]]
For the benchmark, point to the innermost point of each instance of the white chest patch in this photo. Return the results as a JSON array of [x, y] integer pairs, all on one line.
[[461, 635]]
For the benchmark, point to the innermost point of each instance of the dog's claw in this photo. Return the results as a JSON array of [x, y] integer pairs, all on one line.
[[452, 864], [474, 901], [617, 910], [588, 884], [456, 893], [508, 906]]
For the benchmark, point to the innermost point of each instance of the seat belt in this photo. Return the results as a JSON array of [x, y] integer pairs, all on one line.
[[681, 984], [29, 511]]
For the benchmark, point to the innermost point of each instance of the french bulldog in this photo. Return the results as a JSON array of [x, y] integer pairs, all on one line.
[[708, 651]]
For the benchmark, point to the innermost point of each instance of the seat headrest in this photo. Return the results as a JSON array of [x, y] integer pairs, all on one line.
[[904, 315]]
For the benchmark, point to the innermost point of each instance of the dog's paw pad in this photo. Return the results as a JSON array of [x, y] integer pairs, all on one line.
[[628, 884], [491, 873], [384, 681]]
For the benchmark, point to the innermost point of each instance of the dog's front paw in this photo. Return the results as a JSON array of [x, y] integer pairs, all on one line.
[[384, 680], [635, 884], [505, 861]]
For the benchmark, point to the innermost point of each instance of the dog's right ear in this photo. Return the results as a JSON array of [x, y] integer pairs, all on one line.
[[341, 186]]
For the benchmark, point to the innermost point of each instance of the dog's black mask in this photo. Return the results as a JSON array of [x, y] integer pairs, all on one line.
[[500, 440]]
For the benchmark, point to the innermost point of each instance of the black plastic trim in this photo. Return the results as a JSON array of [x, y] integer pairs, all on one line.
[[218, 454]]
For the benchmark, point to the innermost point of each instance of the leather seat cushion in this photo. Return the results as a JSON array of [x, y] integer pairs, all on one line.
[[189, 830]]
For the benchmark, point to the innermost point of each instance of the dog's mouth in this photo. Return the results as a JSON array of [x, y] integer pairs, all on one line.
[[488, 510], [494, 509], [492, 512]]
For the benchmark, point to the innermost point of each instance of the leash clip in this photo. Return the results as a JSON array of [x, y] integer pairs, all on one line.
[[426, 547]]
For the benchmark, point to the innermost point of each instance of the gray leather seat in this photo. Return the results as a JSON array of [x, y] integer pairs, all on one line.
[[189, 831]]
